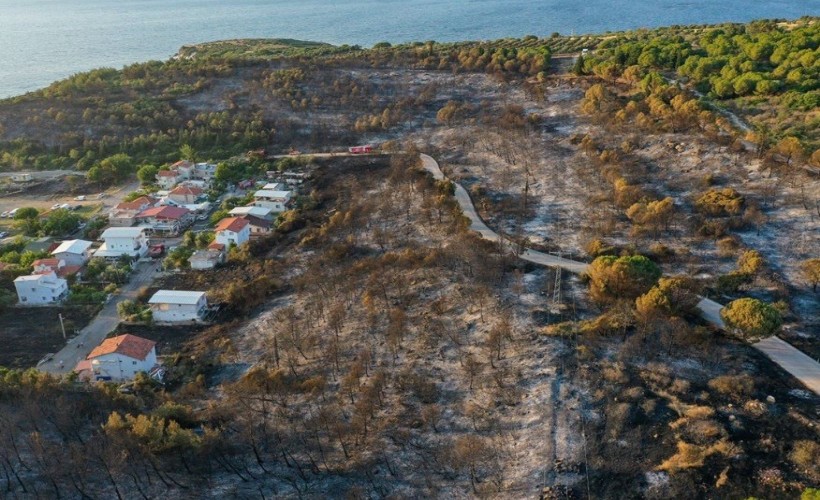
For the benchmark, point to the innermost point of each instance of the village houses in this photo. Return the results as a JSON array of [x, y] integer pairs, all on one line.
[[185, 195], [174, 306], [166, 219], [120, 358], [277, 201], [125, 213], [232, 230], [260, 212], [44, 288], [208, 258], [258, 226], [123, 241], [73, 252]]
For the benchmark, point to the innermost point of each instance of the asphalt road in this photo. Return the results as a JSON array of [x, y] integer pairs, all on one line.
[[107, 320], [801, 366]]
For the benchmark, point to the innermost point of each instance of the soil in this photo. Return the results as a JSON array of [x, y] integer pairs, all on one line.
[[29, 333]]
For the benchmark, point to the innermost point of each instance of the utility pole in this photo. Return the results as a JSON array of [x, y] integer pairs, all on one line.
[[62, 325]]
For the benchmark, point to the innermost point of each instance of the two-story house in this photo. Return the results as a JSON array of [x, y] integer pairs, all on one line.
[[185, 195], [123, 241], [120, 358], [44, 288], [232, 230], [277, 201], [166, 219]]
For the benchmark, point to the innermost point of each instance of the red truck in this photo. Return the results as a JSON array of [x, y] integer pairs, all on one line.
[[357, 150]]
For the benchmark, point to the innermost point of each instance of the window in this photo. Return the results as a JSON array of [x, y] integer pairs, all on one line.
[[133, 362]]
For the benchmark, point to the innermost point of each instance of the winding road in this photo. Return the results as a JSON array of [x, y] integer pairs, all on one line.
[[801, 366]]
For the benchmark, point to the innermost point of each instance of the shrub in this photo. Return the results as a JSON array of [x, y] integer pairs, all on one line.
[[736, 386], [751, 317], [805, 454], [717, 202]]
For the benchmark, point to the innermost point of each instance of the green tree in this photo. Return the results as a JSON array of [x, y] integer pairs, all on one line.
[[578, 67], [187, 152], [751, 317], [626, 277], [147, 174], [673, 296], [26, 213], [61, 222]]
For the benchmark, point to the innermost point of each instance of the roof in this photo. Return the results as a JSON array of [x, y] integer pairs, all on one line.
[[182, 164], [255, 211], [137, 204], [127, 345], [44, 243], [122, 232], [165, 212], [206, 255], [192, 190], [234, 224], [258, 222], [175, 297], [273, 186], [166, 173], [36, 276], [72, 246], [264, 193], [46, 262], [216, 246], [68, 271]]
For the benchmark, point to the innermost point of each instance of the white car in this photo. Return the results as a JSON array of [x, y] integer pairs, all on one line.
[[80, 198], [4, 215], [65, 206], [55, 206]]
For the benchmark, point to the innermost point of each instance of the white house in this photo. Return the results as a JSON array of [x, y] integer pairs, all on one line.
[[209, 257], [261, 212], [259, 227], [125, 213], [40, 289], [119, 241], [183, 195], [204, 171], [122, 357], [232, 230], [167, 179], [73, 252], [166, 219], [172, 306], [277, 201]]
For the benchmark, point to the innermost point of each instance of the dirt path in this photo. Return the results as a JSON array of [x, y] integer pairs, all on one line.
[[801, 366]]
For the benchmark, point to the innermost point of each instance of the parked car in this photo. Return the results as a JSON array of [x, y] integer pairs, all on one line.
[[80, 198], [4, 214], [3, 234], [202, 217], [55, 206]]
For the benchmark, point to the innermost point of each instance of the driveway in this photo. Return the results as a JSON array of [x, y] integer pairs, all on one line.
[[804, 368], [107, 320]]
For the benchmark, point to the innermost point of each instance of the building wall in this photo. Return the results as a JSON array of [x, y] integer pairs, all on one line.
[[73, 259], [228, 237], [32, 293], [172, 313], [276, 206], [120, 367], [126, 245]]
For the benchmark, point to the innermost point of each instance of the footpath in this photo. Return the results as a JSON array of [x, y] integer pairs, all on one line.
[[797, 363]]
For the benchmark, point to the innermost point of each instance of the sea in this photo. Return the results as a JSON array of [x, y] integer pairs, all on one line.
[[45, 40]]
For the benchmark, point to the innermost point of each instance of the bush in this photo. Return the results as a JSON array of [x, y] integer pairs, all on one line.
[[735, 386], [751, 317], [718, 202]]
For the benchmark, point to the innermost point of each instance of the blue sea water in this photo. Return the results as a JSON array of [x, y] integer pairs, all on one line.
[[45, 40]]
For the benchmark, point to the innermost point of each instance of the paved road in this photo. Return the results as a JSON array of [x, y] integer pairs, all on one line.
[[790, 359], [107, 320]]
